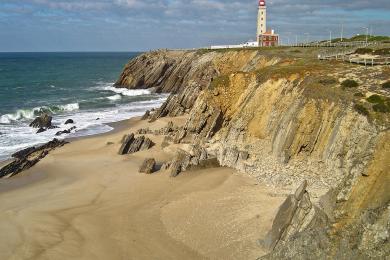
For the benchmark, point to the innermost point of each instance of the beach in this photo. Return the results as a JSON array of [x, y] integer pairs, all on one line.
[[84, 201]]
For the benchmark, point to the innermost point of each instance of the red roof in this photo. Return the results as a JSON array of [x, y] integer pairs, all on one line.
[[261, 2]]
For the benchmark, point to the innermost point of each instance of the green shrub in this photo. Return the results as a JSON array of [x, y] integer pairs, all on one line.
[[375, 99], [361, 109], [381, 107], [349, 83], [358, 94], [386, 84], [385, 51], [327, 81], [364, 51]]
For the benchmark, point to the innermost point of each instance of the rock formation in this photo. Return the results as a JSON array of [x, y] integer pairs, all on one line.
[[148, 166], [269, 114], [28, 157], [67, 131], [43, 121], [131, 144], [69, 121]]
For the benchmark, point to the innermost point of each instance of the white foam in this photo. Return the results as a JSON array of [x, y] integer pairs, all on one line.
[[115, 97], [126, 92], [69, 107]]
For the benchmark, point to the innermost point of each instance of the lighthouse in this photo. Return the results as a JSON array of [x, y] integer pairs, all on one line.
[[265, 38], [262, 18]]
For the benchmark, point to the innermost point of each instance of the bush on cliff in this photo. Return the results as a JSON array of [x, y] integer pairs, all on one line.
[[381, 107], [349, 83], [361, 109], [386, 84], [375, 99]]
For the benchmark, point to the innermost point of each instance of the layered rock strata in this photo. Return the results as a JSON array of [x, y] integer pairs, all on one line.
[[28, 157], [132, 144], [273, 116]]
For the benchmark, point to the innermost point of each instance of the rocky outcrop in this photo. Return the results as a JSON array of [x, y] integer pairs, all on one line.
[[148, 166], [131, 144], [43, 121], [183, 160], [270, 116], [69, 121], [28, 157], [293, 216]]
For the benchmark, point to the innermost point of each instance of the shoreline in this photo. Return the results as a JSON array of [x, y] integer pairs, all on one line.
[[97, 202], [117, 126]]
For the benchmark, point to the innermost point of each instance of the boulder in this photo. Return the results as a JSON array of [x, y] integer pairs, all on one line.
[[69, 121], [43, 121], [148, 166], [130, 144], [126, 142], [40, 130]]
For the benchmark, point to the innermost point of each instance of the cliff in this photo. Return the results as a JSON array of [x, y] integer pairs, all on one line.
[[283, 117]]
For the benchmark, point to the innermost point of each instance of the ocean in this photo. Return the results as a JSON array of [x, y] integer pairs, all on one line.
[[76, 86]]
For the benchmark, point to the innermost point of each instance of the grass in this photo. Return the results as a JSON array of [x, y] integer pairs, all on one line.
[[349, 83], [220, 81], [381, 107]]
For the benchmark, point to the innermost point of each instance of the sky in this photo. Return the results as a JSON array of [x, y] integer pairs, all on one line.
[[140, 25]]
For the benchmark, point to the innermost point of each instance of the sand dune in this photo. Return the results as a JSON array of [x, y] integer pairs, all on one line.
[[84, 201]]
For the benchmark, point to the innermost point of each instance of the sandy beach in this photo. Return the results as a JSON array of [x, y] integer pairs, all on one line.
[[84, 201]]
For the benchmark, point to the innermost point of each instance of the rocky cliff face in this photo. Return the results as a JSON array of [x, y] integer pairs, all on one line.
[[283, 117]]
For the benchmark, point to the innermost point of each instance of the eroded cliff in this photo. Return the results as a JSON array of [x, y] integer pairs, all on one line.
[[284, 117]]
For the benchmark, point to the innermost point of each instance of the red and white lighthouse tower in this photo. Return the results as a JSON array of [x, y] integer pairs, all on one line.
[[262, 18], [265, 37]]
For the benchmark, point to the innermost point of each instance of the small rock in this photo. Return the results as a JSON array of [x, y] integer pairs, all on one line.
[[148, 166], [69, 121], [40, 130], [65, 131]]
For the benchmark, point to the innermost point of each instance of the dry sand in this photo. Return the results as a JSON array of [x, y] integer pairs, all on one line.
[[84, 201]]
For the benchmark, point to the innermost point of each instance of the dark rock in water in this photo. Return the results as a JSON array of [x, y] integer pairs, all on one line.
[[53, 127], [69, 121], [146, 115], [68, 131], [43, 121], [133, 145], [98, 118], [40, 130], [28, 157], [148, 166]]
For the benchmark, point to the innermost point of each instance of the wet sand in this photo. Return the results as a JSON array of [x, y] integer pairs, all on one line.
[[84, 201]]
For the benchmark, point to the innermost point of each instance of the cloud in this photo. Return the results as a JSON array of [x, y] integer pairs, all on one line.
[[140, 24]]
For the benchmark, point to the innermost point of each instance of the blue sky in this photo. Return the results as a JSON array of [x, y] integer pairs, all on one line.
[[138, 25]]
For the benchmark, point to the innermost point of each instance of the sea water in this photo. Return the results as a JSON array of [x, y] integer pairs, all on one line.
[[76, 86]]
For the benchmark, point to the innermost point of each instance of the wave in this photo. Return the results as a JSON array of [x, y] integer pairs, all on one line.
[[126, 92], [32, 113], [114, 97]]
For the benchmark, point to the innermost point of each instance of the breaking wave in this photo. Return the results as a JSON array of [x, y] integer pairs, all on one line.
[[22, 114]]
